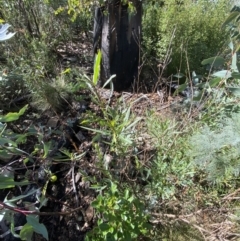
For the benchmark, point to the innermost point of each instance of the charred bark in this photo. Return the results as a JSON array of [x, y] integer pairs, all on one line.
[[119, 42]]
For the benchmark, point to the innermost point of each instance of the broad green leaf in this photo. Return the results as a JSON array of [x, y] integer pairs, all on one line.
[[224, 74], [12, 116], [234, 90], [38, 227], [214, 61], [104, 227], [5, 155], [26, 232], [97, 66], [214, 82], [4, 141], [25, 161], [236, 75], [95, 204], [8, 182], [230, 18], [180, 88], [111, 229]]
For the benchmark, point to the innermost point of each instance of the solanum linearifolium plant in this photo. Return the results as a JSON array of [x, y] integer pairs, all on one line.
[[121, 215]]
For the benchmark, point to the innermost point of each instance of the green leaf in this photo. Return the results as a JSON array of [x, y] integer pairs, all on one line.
[[97, 66], [95, 130], [234, 90], [104, 227], [21, 138], [230, 18], [224, 74], [126, 194], [236, 75], [113, 187], [46, 147], [214, 61], [26, 232], [180, 88], [130, 199], [5, 155], [109, 81], [12, 228], [38, 227], [22, 196], [4, 141], [8, 182], [234, 63], [98, 187], [12, 116], [214, 82]]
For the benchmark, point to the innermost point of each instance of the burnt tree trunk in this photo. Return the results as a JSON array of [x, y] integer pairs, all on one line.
[[117, 33]]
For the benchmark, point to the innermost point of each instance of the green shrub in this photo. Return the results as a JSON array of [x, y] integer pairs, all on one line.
[[9, 147], [216, 151], [196, 30], [41, 30], [171, 168], [122, 216]]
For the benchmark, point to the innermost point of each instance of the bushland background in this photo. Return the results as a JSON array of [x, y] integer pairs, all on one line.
[[159, 161]]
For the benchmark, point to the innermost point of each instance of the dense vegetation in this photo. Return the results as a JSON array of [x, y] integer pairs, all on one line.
[[159, 162]]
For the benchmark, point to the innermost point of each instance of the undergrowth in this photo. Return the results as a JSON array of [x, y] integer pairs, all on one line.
[[153, 177], [195, 28]]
